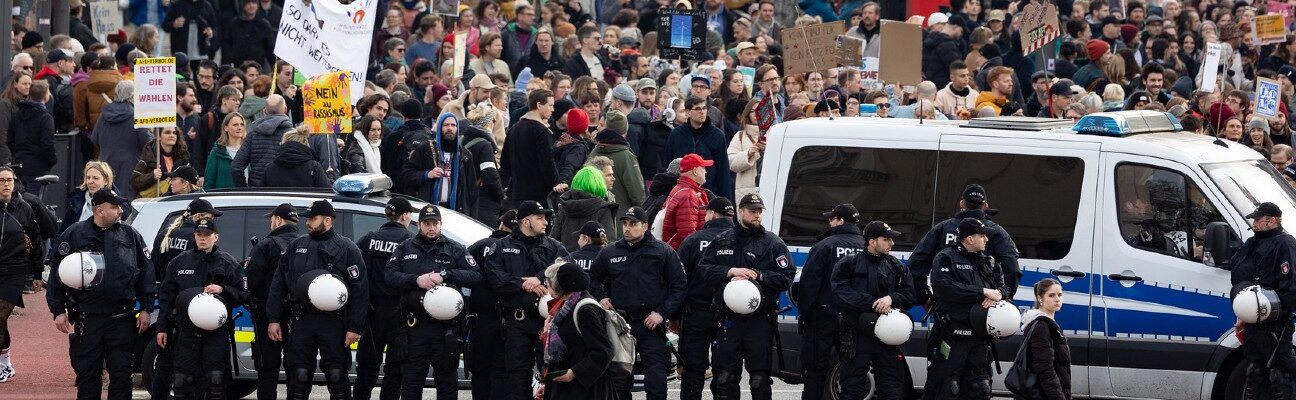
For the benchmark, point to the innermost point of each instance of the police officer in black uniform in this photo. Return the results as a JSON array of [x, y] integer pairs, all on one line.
[[958, 355], [642, 278], [870, 283], [99, 318], [384, 317], [202, 357], [418, 265], [698, 318], [484, 360], [752, 253], [818, 320], [515, 272], [310, 330], [262, 263], [177, 238], [590, 240], [1267, 259], [974, 204]]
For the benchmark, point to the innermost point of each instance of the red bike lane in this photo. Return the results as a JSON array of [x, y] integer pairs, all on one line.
[[40, 355]]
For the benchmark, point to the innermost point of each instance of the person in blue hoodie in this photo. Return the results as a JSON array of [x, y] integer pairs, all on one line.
[[700, 137]]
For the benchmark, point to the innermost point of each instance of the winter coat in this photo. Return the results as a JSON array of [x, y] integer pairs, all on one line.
[[569, 158], [990, 99], [142, 177], [259, 150], [253, 108], [295, 166], [588, 355], [397, 146], [247, 40], [7, 110], [463, 194], [120, 144], [658, 191], [490, 192], [539, 65], [217, 174], [90, 97], [75, 204], [32, 140], [709, 143], [496, 66], [60, 103], [527, 171], [824, 10], [939, 51], [514, 50], [745, 165], [207, 130], [574, 209], [948, 102], [685, 211], [649, 144], [198, 15], [628, 190], [354, 160], [1049, 355]]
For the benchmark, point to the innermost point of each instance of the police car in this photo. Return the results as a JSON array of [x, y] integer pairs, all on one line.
[[1130, 214], [358, 199]]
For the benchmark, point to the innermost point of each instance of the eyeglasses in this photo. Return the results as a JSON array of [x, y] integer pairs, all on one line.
[[883, 105], [6, 181], [770, 80], [400, 49], [701, 87]]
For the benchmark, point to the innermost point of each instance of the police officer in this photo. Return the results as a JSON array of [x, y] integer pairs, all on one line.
[[384, 318], [1266, 260], [699, 320], [819, 328], [202, 357], [99, 317], [748, 252], [875, 283], [262, 263], [175, 239], [310, 329], [418, 265], [515, 272], [973, 204], [958, 355], [642, 278], [590, 240], [484, 359]]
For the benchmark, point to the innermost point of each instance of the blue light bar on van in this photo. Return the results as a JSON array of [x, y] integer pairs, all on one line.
[[360, 185], [1126, 123]]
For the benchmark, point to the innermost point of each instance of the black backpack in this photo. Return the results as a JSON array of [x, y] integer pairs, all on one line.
[[1020, 380]]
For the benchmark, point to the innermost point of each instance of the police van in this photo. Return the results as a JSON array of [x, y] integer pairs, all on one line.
[[1119, 207]]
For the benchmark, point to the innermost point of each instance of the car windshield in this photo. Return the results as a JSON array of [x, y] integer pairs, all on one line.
[[1249, 183], [464, 230]]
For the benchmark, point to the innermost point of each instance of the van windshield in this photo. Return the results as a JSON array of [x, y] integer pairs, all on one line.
[[1249, 183]]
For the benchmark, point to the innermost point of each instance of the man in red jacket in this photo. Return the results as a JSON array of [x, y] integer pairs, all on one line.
[[685, 208]]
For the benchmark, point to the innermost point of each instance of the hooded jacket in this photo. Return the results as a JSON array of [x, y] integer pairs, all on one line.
[[528, 173], [658, 191], [198, 15], [685, 211], [142, 177], [396, 147], [939, 51], [294, 165], [948, 101], [745, 165], [538, 64], [569, 158], [90, 97], [628, 190], [120, 143], [32, 139], [514, 50], [481, 151], [709, 143], [430, 154], [651, 145], [575, 208], [989, 99], [259, 150], [253, 108], [247, 40], [1049, 355]]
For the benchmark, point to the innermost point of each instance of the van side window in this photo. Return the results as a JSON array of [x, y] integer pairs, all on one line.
[[1162, 211], [1037, 197], [891, 185]]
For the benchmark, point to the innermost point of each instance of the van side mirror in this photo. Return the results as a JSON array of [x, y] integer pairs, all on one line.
[[1218, 243]]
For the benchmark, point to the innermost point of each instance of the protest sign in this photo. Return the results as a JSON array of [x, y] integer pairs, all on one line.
[[901, 38], [850, 51], [155, 88], [106, 16], [1280, 8], [1039, 26], [449, 8], [811, 48], [327, 103], [460, 53], [327, 36], [869, 74], [681, 34], [1269, 28], [1210, 67], [749, 77], [1267, 94]]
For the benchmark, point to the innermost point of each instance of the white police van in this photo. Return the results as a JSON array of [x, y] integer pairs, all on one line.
[[1145, 318]]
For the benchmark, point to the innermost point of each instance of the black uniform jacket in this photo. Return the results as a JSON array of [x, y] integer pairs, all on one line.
[[195, 268], [328, 251], [756, 249], [419, 255], [640, 277], [128, 272], [945, 235], [377, 247], [515, 257]]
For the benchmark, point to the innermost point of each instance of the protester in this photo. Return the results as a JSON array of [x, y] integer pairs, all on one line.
[[158, 159]]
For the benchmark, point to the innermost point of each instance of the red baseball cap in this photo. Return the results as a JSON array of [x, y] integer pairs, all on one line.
[[692, 160]]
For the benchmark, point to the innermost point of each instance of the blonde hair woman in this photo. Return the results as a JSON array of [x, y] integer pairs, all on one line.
[[96, 176]]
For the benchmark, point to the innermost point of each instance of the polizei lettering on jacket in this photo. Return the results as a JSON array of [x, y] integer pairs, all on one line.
[[383, 246]]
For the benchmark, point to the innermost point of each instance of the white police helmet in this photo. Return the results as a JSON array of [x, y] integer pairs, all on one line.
[[893, 328], [1254, 304], [81, 270], [1001, 320], [327, 293], [742, 297], [208, 312], [543, 306], [443, 302]]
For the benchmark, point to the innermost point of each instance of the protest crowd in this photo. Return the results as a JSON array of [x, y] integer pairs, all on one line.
[[571, 119]]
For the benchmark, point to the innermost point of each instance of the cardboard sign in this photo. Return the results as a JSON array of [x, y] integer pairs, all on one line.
[[811, 48], [1280, 8], [903, 39], [1210, 67], [155, 89], [681, 34], [1267, 95], [449, 8], [328, 36], [1266, 29], [869, 74], [1039, 26], [850, 51], [106, 16], [327, 103]]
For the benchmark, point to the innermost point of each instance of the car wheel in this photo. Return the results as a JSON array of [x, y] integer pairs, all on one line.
[[834, 382], [147, 361], [241, 388], [1235, 385]]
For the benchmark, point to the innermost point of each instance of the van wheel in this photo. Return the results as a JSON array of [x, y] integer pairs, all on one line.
[[834, 382], [1235, 385], [238, 389], [147, 361]]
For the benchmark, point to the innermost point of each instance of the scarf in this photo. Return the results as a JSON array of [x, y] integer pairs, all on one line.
[[554, 346], [372, 161]]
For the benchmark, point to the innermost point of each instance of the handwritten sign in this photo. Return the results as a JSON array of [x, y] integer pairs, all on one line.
[[850, 51], [1210, 67], [811, 48], [681, 33], [460, 53], [1269, 28], [1039, 26], [106, 16], [155, 88], [1267, 94], [1280, 8], [869, 74], [901, 38], [328, 36], [327, 102]]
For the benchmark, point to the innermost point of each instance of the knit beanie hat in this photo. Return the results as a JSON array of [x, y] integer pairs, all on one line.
[[617, 122], [31, 39], [1258, 123], [481, 115], [577, 122], [1096, 48]]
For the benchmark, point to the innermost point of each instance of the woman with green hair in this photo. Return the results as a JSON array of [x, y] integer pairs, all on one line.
[[586, 201]]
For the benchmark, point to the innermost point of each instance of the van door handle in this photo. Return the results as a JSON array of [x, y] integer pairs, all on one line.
[[1073, 274], [1123, 277]]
